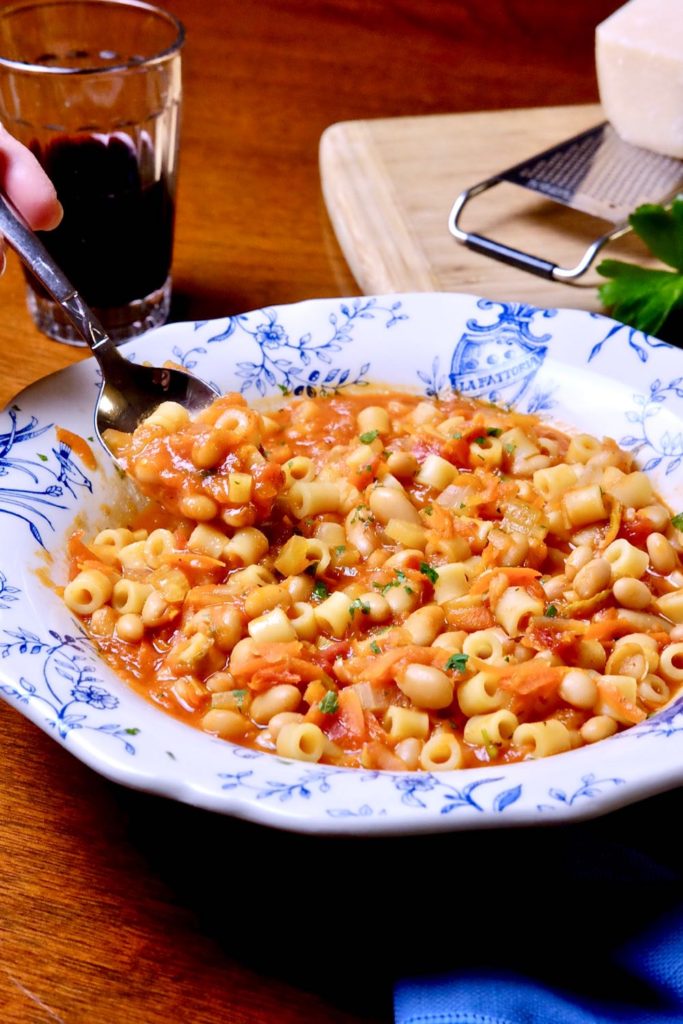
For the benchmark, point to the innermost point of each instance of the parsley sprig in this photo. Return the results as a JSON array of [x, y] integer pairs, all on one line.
[[368, 437], [431, 574], [639, 296], [457, 663], [329, 705], [320, 591], [359, 606]]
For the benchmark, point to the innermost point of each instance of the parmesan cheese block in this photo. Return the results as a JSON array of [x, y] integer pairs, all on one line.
[[639, 58]]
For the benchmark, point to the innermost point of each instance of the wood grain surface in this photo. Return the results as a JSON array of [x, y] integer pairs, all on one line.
[[120, 908], [389, 184]]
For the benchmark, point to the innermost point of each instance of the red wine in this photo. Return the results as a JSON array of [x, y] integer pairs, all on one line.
[[115, 241]]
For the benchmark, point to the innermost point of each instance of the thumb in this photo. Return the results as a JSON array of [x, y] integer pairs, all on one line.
[[27, 185]]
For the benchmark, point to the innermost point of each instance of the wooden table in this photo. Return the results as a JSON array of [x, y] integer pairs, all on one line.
[[119, 907]]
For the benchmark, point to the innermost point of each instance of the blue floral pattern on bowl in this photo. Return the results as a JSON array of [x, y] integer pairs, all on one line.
[[576, 368]]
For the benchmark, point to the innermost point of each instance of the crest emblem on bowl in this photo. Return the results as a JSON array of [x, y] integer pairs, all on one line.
[[497, 362]]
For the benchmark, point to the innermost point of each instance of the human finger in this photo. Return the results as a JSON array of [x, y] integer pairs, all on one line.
[[26, 184]]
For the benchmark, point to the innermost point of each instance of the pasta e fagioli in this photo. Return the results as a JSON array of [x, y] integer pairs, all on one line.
[[376, 580]]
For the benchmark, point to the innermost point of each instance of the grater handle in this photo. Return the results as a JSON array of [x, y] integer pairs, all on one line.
[[513, 257]]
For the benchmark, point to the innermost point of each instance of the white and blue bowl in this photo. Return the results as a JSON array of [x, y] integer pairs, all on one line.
[[577, 370]]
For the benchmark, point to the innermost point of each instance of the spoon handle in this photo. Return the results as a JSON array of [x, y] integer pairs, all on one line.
[[38, 260]]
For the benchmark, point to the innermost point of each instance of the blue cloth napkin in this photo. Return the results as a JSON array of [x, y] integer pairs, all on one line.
[[595, 937]]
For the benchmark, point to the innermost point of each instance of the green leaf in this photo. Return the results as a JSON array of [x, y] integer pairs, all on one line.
[[329, 705], [431, 574], [491, 747], [638, 296], [551, 611], [368, 437], [457, 662], [320, 591], [383, 587], [359, 606], [661, 230], [677, 521], [375, 647]]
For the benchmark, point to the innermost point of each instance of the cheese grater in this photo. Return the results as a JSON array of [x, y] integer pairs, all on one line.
[[596, 173]]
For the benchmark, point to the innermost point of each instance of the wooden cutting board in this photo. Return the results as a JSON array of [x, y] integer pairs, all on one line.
[[389, 185]]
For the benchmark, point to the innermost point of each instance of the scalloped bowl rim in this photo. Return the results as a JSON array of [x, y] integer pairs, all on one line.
[[540, 360]]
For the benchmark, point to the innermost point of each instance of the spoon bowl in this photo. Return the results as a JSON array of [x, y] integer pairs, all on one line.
[[123, 402], [129, 392]]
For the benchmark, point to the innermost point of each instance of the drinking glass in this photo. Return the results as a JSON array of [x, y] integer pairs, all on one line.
[[93, 88]]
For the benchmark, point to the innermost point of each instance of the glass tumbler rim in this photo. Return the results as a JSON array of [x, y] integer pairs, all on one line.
[[125, 65]]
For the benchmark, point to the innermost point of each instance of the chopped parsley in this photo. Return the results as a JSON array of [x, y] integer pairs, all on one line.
[[551, 611], [457, 663], [510, 448], [481, 440], [428, 510], [340, 549], [43, 458], [329, 705], [359, 606], [401, 578], [131, 732], [239, 697], [375, 647], [456, 437], [677, 521], [320, 591], [284, 390], [369, 436], [494, 432], [431, 574], [489, 745]]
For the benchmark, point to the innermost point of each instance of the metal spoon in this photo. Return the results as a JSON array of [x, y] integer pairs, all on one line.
[[129, 391]]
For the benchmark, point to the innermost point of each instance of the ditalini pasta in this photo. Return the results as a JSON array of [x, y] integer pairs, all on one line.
[[377, 580]]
